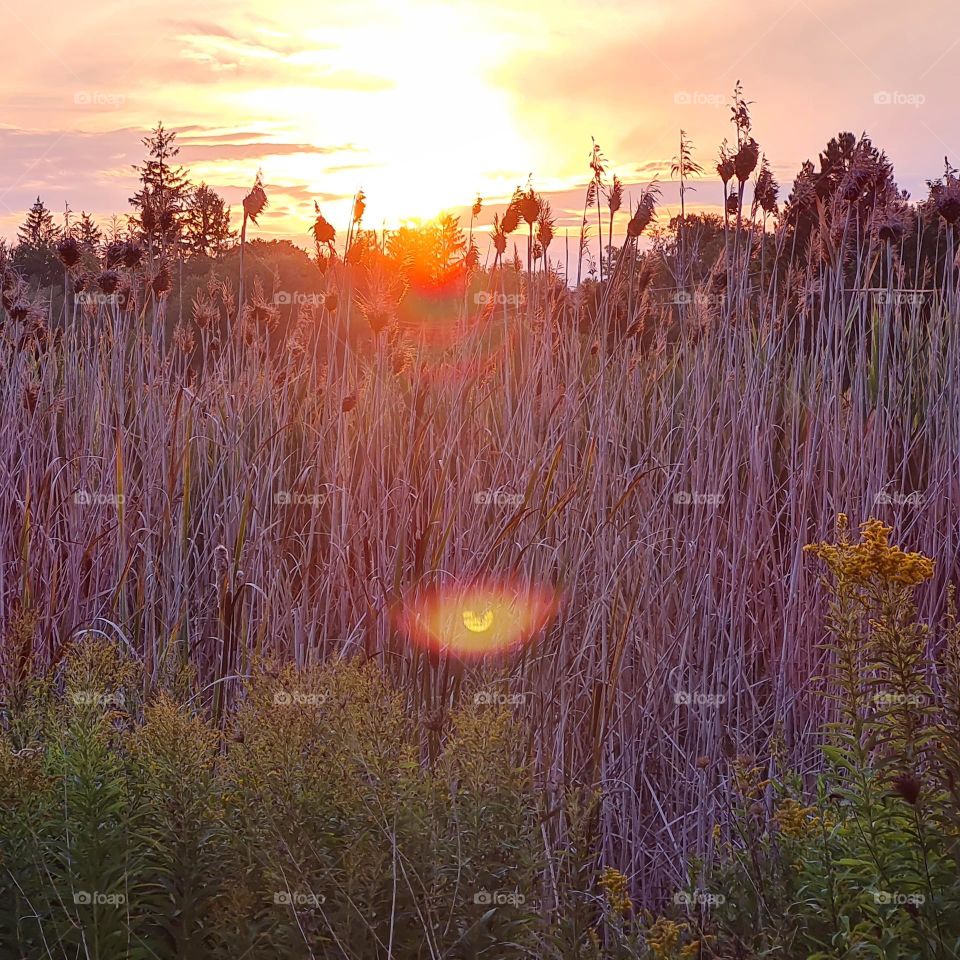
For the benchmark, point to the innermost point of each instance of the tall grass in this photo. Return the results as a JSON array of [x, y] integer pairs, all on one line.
[[213, 497], [667, 493]]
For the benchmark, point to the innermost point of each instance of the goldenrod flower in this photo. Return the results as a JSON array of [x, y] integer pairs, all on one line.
[[664, 937], [873, 559], [614, 885], [793, 819]]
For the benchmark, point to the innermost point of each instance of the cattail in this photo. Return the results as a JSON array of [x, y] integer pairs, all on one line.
[[725, 167], [545, 224], [615, 196], [530, 206], [471, 259], [160, 283], [69, 252], [645, 212], [946, 196], [125, 253], [948, 202], [113, 255], [597, 161], [323, 232], [766, 188], [890, 225], [132, 254], [745, 161], [330, 301], [255, 202], [511, 217], [359, 205], [499, 236], [108, 281]]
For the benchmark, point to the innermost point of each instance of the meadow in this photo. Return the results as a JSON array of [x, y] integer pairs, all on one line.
[[214, 726]]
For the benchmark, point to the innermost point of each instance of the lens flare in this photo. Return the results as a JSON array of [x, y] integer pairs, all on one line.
[[477, 624], [476, 620]]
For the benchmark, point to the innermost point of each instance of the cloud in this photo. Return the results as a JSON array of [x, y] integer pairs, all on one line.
[[251, 151]]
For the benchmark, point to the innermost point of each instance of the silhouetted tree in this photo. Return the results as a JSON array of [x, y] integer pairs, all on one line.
[[163, 193], [206, 223], [87, 232], [34, 254]]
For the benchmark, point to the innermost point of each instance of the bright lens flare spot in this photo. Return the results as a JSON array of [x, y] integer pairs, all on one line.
[[477, 624], [474, 621]]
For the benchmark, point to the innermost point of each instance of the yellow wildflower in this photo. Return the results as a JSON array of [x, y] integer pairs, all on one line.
[[873, 559], [664, 937], [614, 885], [793, 819]]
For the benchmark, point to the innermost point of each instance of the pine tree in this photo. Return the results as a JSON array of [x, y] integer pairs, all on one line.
[[34, 255], [88, 233], [159, 203], [38, 229], [206, 224]]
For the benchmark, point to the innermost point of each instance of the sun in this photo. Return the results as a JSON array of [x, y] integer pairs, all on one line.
[[436, 130]]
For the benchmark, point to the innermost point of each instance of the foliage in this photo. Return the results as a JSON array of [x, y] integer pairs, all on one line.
[[310, 827]]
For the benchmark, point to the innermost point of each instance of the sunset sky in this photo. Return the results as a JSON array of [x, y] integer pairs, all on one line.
[[424, 104]]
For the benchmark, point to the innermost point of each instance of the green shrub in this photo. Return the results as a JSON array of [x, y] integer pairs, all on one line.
[[309, 828]]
